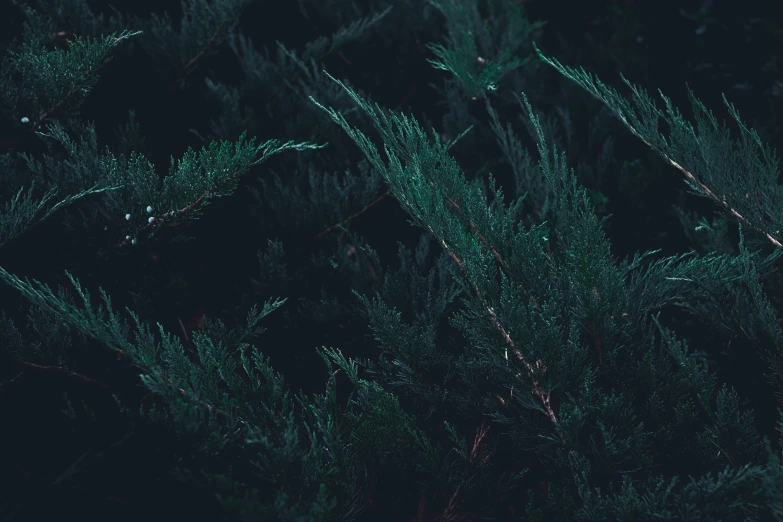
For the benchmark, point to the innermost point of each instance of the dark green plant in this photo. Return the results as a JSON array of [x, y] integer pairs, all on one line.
[[509, 365]]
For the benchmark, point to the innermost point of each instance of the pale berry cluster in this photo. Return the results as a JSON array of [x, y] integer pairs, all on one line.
[[150, 220]]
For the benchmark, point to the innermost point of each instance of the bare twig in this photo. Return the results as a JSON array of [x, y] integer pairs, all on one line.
[[63, 370], [206, 48], [352, 216]]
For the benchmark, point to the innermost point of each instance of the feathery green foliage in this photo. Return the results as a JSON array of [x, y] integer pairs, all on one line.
[[715, 165], [481, 50], [40, 83], [509, 365]]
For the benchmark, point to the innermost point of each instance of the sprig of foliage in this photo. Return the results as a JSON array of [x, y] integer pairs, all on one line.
[[581, 310], [37, 84], [481, 50], [215, 405], [741, 175], [191, 183]]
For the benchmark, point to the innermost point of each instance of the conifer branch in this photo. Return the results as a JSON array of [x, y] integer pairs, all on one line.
[[492, 249], [544, 396], [709, 192], [95, 56], [101, 384], [207, 405], [179, 389], [50, 112], [212, 172], [397, 145], [641, 119]]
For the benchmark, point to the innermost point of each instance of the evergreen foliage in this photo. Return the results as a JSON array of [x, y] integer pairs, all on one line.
[[525, 357]]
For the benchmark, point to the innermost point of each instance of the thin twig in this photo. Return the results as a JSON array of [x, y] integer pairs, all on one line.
[[352, 216], [491, 248], [185, 393], [51, 111], [705, 188], [56, 107], [544, 396], [206, 48], [66, 371]]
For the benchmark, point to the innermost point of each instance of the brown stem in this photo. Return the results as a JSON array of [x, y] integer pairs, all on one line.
[[708, 191], [51, 111], [352, 216], [544, 396], [96, 382], [65, 371], [171, 214], [449, 514], [56, 107], [491, 248], [206, 48]]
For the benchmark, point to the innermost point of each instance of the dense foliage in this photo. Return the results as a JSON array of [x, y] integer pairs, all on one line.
[[409, 260]]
